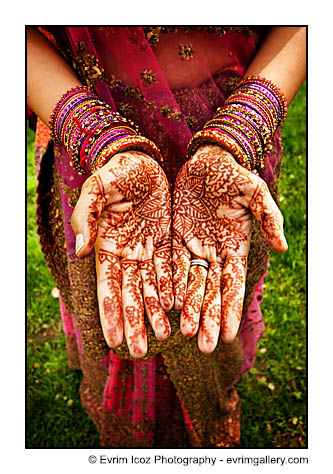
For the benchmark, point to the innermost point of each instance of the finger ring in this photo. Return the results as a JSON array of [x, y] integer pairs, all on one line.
[[200, 262]]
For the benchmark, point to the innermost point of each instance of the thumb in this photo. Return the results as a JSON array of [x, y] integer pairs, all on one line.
[[85, 216], [269, 217]]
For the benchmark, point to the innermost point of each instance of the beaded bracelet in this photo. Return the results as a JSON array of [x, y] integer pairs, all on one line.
[[246, 123], [234, 121], [125, 144], [217, 137], [270, 86], [92, 133]]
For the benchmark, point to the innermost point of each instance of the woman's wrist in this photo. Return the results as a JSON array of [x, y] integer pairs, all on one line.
[[92, 133], [246, 123]]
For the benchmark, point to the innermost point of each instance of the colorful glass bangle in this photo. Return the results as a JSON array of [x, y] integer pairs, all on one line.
[[92, 132], [59, 105], [217, 137], [249, 117], [241, 138], [265, 93], [255, 105], [238, 122], [126, 144], [95, 153], [272, 87], [97, 147], [271, 106]]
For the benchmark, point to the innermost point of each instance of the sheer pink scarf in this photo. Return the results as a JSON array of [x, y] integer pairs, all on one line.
[[135, 60]]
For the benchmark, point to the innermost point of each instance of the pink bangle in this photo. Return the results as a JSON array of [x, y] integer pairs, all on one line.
[[92, 133]]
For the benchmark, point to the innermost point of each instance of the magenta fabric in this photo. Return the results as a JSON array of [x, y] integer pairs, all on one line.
[[67, 322], [129, 48], [69, 325], [132, 53]]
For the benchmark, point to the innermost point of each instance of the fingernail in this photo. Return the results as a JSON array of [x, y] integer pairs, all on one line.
[[79, 243], [284, 242]]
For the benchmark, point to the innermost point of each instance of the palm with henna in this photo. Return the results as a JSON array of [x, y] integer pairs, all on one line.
[[124, 211], [215, 200]]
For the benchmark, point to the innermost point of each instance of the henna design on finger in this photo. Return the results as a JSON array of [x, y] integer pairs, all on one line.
[[166, 292], [211, 308], [133, 308], [165, 284], [181, 264], [149, 273], [114, 317], [155, 312], [158, 317], [134, 317], [112, 305], [113, 270], [195, 292], [164, 257], [233, 287], [163, 266]]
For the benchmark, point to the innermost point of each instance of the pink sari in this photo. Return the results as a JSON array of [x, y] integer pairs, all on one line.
[[150, 391]]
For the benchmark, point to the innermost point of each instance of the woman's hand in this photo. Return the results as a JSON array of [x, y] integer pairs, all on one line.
[[124, 211], [214, 200]]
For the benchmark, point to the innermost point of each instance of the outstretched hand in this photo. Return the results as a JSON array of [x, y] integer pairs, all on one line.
[[214, 201], [124, 212]]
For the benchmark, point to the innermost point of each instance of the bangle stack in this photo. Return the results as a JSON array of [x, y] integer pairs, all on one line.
[[92, 133], [246, 123]]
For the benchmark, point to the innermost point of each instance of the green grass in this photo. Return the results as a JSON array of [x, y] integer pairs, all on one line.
[[55, 417], [273, 393]]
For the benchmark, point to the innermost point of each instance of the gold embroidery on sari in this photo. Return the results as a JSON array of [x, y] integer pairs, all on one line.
[[73, 194], [89, 71], [125, 109], [148, 76], [186, 51], [153, 32], [86, 65]]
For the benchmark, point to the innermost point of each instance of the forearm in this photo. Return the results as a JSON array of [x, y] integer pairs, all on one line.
[[249, 118], [282, 59], [48, 75]]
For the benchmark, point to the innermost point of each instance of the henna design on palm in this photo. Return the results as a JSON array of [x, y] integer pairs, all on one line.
[[125, 211], [214, 202]]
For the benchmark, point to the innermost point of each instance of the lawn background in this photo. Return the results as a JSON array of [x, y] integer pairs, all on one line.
[[273, 393]]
